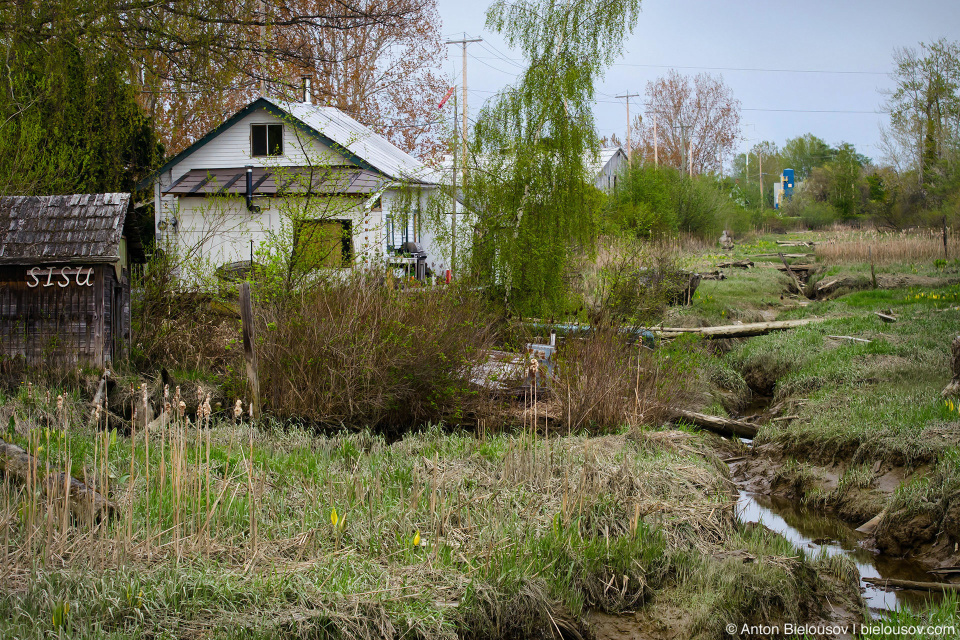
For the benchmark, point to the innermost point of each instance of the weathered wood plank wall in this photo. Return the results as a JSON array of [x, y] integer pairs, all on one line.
[[56, 326]]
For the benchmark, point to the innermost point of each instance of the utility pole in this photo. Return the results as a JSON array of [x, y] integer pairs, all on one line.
[[760, 160], [453, 221], [463, 42], [629, 95]]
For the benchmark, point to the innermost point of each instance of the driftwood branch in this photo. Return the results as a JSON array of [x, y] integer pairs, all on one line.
[[738, 330], [913, 584], [796, 279], [19, 465]]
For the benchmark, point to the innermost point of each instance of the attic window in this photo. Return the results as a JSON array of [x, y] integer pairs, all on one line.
[[266, 140]]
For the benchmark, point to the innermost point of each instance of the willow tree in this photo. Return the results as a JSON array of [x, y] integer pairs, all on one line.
[[529, 183]]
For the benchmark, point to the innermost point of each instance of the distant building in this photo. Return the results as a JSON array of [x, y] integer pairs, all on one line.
[[783, 190], [610, 167]]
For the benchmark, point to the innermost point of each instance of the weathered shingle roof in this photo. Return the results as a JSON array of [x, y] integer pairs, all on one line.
[[284, 180], [65, 229]]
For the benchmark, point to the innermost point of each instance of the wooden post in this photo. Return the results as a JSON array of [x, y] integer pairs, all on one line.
[[249, 353], [945, 254], [873, 273]]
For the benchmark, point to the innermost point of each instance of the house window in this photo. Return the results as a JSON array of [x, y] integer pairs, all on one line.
[[266, 139], [322, 243]]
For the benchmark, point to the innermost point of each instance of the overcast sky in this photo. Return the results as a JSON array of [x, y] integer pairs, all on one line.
[[816, 66]]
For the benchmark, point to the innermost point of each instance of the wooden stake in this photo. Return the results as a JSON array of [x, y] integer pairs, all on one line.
[[249, 353]]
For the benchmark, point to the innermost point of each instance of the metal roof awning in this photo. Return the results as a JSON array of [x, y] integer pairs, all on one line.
[[271, 181]]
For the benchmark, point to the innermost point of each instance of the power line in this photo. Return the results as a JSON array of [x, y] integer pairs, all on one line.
[[746, 69]]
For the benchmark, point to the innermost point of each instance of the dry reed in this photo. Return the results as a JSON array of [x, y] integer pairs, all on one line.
[[905, 247]]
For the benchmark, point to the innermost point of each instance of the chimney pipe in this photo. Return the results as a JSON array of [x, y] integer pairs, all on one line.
[[307, 98], [249, 188]]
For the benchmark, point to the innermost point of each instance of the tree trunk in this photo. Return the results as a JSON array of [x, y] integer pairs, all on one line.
[[738, 330], [724, 426], [913, 584], [17, 463]]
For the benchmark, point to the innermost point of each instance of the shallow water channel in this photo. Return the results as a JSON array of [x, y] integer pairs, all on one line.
[[816, 532]]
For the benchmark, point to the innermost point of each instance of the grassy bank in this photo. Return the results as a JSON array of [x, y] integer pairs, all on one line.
[[223, 530], [857, 423]]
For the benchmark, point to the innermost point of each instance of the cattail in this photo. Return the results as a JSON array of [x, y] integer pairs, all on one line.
[[238, 409], [29, 391], [60, 404], [166, 391], [182, 407], [176, 396], [206, 407]]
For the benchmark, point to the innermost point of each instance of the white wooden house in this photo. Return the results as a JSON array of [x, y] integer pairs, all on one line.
[[277, 163]]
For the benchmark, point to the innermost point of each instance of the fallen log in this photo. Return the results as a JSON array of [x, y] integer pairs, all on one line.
[[913, 584], [19, 465], [738, 330], [716, 275], [796, 279], [786, 255], [824, 287], [871, 525], [796, 243], [886, 317], [724, 426], [739, 264], [796, 268]]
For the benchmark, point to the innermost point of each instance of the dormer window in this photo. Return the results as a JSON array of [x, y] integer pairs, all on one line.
[[266, 140]]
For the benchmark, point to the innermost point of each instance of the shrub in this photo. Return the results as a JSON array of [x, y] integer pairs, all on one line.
[[180, 328], [606, 383], [358, 353]]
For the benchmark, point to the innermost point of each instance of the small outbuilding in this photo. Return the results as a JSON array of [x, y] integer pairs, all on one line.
[[65, 278]]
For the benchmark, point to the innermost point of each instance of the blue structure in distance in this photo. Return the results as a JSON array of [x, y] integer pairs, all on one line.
[[784, 190]]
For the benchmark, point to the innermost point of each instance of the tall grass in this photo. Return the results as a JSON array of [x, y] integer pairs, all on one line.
[[905, 247], [223, 529]]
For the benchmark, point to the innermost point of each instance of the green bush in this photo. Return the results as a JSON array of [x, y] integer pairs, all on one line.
[[652, 201]]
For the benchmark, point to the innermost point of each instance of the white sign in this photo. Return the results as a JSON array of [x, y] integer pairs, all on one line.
[[59, 276]]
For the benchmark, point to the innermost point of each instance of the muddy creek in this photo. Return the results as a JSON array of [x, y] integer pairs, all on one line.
[[816, 532]]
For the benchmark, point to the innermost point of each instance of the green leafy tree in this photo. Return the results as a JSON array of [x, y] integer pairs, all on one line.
[[70, 121], [530, 189], [805, 153], [845, 190], [924, 108]]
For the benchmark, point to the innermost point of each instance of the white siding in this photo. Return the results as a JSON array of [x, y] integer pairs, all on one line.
[[216, 231], [232, 149]]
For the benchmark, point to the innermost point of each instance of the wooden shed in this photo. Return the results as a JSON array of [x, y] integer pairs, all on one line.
[[65, 278]]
